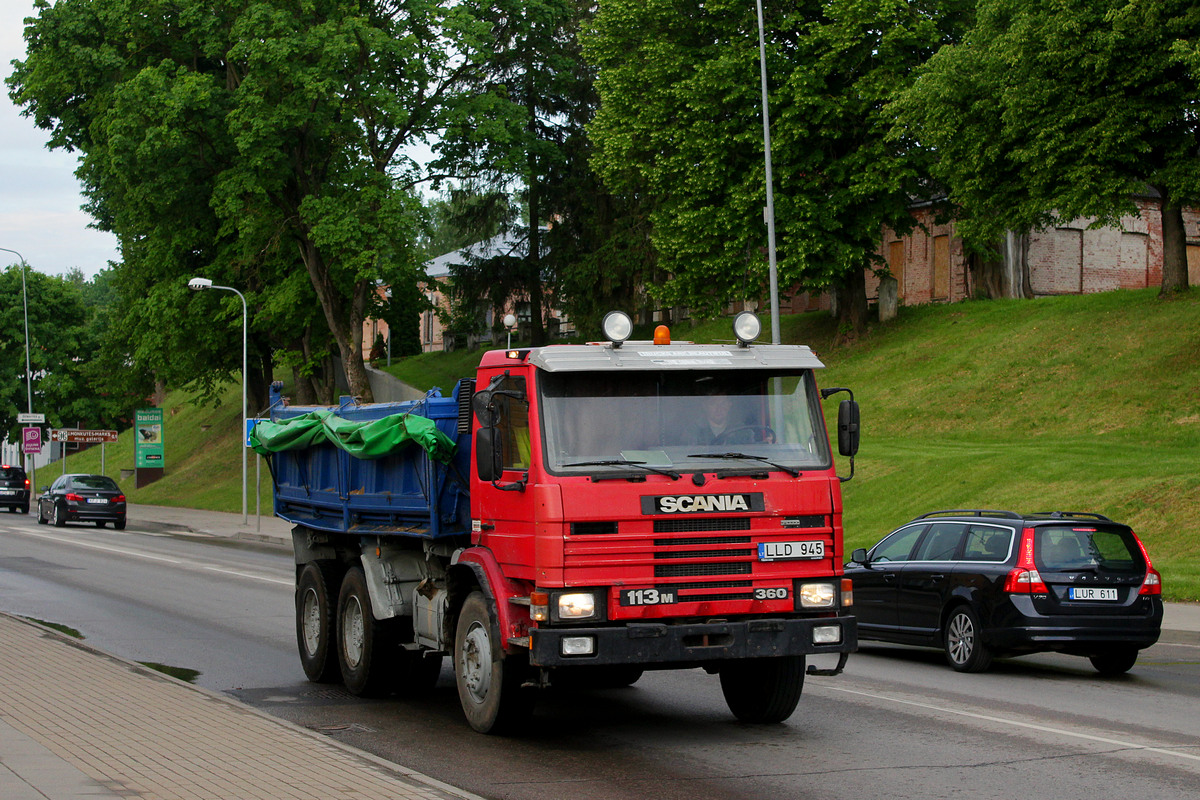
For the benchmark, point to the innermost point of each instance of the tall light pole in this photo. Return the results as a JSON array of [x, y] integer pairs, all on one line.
[[25, 301], [28, 372], [199, 284], [769, 213]]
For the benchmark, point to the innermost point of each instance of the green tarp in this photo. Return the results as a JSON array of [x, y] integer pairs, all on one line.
[[366, 440]]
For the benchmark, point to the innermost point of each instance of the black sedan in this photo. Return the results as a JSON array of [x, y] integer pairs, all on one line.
[[980, 584], [82, 498]]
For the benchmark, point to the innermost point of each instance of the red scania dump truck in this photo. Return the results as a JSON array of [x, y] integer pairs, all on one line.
[[574, 514]]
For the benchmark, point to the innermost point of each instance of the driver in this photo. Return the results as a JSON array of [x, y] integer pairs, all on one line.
[[717, 418]]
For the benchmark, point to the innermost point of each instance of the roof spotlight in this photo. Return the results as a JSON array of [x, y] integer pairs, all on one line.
[[617, 327], [746, 327]]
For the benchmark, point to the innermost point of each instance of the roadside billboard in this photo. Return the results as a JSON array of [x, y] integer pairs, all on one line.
[[148, 438]]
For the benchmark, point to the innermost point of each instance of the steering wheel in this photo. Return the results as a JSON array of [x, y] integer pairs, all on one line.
[[746, 434]]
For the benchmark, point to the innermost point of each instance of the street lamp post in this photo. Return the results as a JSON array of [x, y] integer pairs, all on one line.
[[200, 284], [25, 302], [28, 371], [769, 212]]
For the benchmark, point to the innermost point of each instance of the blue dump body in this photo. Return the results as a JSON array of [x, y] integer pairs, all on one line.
[[404, 494]]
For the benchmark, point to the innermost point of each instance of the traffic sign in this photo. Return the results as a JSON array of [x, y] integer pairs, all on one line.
[[81, 436], [36, 419], [250, 423], [31, 440]]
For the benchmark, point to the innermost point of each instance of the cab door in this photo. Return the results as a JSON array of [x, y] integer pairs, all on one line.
[[502, 504]]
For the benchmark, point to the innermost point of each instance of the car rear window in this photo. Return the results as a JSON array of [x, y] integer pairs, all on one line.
[[1083, 549], [12, 472], [93, 482]]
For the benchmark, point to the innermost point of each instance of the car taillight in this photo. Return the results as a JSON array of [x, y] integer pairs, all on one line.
[[1024, 578], [119, 498], [1152, 583], [27, 483], [74, 498]]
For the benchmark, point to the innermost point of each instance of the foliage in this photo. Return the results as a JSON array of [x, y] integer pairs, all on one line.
[[245, 143], [1048, 112], [681, 116], [63, 337]]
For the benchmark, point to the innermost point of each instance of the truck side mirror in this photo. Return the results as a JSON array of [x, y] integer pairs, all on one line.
[[485, 412], [489, 449], [848, 428]]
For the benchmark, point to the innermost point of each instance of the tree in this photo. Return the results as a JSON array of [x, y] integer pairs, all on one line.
[[244, 141], [680, 119], [62, 342], [1051, 112], [536, 82]]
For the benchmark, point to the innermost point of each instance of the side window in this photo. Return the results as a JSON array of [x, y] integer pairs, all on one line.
[[941, 543], [986, 543], [514, 424], [58, 484], [897, 546]]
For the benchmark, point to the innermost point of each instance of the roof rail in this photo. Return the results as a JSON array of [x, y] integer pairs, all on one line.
[[971, 512], [1072, 515]]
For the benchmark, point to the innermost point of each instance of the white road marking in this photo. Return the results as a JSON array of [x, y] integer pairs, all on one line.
[[1018, 724], [250, 575], [124, 551], [94, 546]]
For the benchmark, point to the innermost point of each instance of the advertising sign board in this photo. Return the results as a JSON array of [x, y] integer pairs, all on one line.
[[148, 438], [31, 440]]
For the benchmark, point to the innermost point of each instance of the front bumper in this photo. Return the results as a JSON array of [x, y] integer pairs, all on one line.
[[692, 643]]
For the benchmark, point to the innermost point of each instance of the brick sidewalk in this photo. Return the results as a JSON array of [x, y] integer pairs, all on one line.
[[78, 723]]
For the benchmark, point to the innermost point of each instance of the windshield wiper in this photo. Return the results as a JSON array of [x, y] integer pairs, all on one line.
[[624, 462], [795, 473]]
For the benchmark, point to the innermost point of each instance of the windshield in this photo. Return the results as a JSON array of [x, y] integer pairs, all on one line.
[[683, 421]]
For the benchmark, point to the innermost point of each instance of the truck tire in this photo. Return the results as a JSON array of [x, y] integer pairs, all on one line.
[[315, 625], [489, 684], [763, 690], [367, 649]]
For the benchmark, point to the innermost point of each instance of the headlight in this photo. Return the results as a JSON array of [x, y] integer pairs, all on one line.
[[817, 595], [578, 605]]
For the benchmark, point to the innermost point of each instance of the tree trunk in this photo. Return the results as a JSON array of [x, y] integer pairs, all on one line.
[[1004, 271], [1175, 271], [345, 325], [852, 306]]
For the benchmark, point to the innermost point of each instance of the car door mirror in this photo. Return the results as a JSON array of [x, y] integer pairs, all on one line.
[[859, 556]]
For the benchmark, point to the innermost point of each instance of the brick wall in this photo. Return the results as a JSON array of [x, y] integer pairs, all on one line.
[[1070, 259]]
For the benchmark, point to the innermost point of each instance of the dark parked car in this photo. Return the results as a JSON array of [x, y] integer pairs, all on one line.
[[82, 498], [981, 584], [14, 489]]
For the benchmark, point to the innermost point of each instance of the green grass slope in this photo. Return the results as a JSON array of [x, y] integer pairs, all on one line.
[[1074, 403], [1085, 403], [203, 467]]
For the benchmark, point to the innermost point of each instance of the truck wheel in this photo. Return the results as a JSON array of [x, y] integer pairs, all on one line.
[[489, 684], [367, 650], [315, 622], [763, 689]]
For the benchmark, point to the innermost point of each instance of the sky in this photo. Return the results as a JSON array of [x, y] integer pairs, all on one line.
[[40, 200]]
